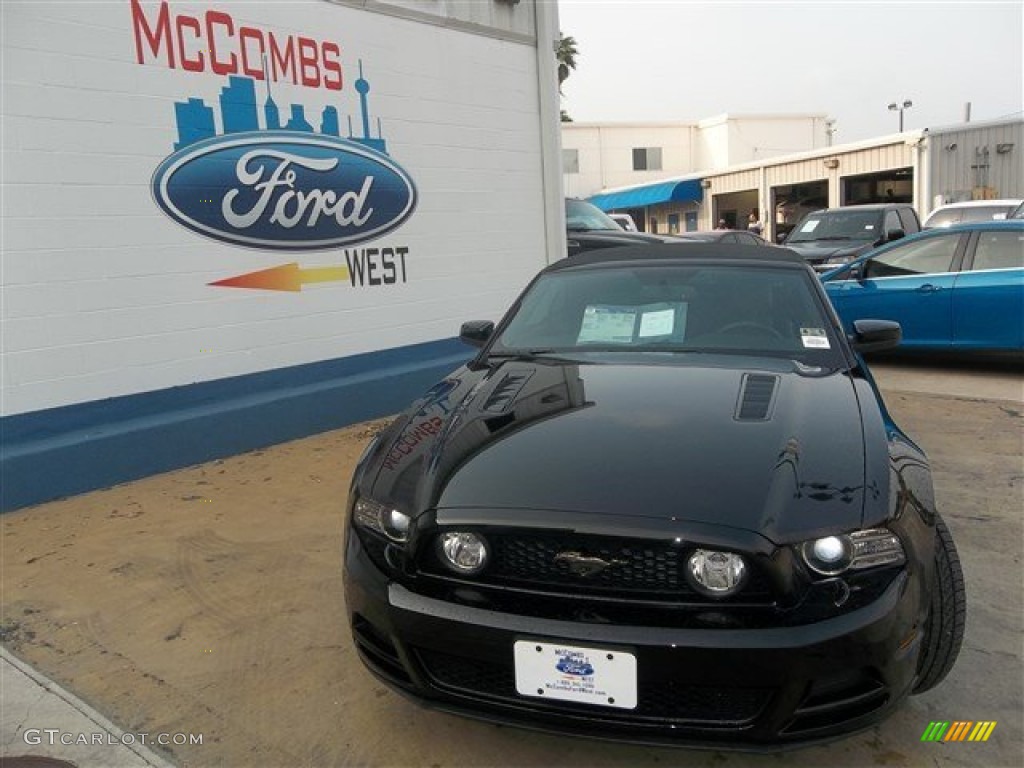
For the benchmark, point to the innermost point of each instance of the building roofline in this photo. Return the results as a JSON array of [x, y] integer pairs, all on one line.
[[907, 137], [960, 127], [704, 121]]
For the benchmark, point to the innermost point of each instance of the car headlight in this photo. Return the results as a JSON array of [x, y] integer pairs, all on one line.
[[833, 555], [717, 574], [464, 552], [384, 520]]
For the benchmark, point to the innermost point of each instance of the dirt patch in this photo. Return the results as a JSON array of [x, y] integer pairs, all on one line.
[[205, 600]]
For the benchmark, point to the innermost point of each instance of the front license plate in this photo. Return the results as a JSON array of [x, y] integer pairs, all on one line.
[[570, 673]]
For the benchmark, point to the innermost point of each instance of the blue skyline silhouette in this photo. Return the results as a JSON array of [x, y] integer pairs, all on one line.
[[240, 112]]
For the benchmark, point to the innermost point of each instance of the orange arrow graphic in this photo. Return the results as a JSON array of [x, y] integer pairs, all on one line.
[[287, 277]]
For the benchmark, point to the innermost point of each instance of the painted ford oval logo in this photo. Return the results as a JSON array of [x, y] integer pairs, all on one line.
[[574, 667], [278, 190]]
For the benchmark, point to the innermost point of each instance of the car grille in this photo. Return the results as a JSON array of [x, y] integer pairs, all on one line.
[[637, 569], [658, 700]]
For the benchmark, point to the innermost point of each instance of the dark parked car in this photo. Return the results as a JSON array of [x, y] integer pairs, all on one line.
[[589, 228], [664, 503], [956, 288], [734, 236], [835, 236]]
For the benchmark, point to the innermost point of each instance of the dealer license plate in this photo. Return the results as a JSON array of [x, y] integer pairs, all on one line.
[[571, 673]]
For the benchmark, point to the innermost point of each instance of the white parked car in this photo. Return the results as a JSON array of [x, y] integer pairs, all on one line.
[[624, 220], [970, 211]]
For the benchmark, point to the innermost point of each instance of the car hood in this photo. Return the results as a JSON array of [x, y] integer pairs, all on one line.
[[766, 447], [820, 250]]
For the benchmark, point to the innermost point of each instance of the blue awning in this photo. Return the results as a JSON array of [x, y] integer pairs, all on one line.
[[649, 194]]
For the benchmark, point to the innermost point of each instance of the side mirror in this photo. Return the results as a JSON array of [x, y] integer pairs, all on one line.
[[875, 335], [847, 271], [894, 234], [476, 332]]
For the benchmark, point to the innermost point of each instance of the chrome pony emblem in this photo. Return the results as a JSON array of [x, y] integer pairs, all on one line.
[[586, 565]]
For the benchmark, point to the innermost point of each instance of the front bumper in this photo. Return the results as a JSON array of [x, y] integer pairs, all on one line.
[[729, 688]]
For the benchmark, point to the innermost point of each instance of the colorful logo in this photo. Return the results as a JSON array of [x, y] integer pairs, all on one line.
[[959, 730], [282, 186], [577, 666], [279, 191]]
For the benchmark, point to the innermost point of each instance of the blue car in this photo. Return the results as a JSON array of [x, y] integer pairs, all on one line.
[[960, 288]]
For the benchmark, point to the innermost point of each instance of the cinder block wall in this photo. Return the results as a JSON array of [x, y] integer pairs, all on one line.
[[105, 298]]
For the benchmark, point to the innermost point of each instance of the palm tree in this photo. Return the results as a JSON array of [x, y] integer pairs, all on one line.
[[565, 53]]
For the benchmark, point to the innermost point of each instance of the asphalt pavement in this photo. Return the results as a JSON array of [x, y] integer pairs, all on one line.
[[976, 378]]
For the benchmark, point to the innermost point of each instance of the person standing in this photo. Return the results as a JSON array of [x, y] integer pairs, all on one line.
[[754, 224]]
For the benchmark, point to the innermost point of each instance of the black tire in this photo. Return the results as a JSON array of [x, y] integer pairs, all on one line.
[[944, 630]]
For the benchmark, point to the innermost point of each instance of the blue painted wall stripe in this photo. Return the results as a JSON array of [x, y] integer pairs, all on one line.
[[49, 454]]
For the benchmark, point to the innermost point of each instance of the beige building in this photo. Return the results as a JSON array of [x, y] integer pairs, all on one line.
[[599, 156], [925, 167]]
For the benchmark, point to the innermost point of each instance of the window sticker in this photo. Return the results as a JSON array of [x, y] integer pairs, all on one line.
[[869, 226], [658, 323], [608, 324], [810, 226], [814, 338]]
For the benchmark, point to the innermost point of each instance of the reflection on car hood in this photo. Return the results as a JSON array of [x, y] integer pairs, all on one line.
[[765, 448], [819, 250]]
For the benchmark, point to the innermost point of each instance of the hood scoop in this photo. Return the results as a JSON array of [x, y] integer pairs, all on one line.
[[757, 397], [505, 391]]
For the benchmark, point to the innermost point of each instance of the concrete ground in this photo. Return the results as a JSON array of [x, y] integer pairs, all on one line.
[[37, 716], [209, 601]]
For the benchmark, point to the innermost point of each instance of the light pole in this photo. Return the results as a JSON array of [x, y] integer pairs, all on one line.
[[830, 130], [897, 107]]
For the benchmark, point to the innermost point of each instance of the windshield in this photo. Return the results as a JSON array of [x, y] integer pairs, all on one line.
[[837, 225], [581, 216], [674, 308]]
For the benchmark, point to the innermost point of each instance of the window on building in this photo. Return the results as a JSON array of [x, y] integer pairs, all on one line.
[[570, 161], [647, 158]]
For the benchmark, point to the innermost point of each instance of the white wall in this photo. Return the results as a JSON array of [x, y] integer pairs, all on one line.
[[606, 150], [606, 154], [104, 295], [735, 140], [504, 15]]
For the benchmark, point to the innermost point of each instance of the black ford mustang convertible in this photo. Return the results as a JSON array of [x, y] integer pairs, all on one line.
[[664, 503]]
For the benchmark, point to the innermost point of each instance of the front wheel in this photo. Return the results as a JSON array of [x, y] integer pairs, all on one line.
[[944, 629]]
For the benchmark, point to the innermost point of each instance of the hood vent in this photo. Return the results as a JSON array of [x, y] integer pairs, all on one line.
[[757, 396], [505, 392]]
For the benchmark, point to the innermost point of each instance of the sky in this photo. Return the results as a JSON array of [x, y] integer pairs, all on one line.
[[686, 60]]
